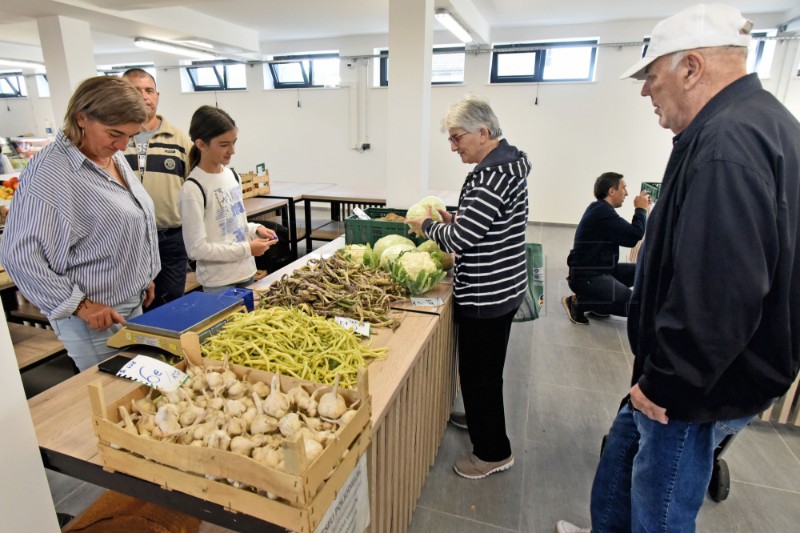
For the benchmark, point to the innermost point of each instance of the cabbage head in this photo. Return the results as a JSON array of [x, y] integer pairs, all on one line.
[[360, 254], [417, 271], [419, 209], [389, 240], [432, 248], [393, 252]]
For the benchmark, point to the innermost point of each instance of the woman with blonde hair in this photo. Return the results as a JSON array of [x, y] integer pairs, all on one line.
[[80, 239]]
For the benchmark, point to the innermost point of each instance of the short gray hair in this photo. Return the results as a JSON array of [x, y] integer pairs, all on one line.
[[472, 113]]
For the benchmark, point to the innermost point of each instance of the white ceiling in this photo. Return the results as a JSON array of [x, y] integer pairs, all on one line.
[[243, 24]]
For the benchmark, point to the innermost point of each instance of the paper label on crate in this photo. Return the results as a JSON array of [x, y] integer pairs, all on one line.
[[349, 512], [360, 328], [154, 373], [357, 211], [426, 302]]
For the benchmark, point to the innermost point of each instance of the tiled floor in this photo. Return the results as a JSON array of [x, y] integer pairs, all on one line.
[[563, 385]]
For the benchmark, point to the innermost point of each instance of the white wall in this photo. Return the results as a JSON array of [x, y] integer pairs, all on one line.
[[576, 131]]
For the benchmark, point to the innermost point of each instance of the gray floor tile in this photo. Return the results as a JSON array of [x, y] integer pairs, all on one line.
[[583, 368], [564, 415], [427, 521], [79, 499], [751, 509], [495, 500], [791, 437], [558, 482], [557, 329], [758, 455]]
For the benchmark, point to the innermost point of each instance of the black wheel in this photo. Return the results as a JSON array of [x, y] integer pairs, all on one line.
[[720, 485]]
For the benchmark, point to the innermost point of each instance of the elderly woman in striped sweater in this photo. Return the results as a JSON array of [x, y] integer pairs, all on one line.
[[80, 240], [487, 235]]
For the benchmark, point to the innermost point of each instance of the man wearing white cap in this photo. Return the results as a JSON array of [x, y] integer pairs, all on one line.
[[715, 318]]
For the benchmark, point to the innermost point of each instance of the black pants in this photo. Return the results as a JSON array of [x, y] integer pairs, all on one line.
[[171, 281], [608, 294], [482, 345]]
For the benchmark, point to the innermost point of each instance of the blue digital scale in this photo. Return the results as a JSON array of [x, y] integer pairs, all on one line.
[[203, 313]]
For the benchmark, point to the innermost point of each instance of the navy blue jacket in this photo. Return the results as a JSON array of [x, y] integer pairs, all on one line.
[[600, 233], [717, 298]]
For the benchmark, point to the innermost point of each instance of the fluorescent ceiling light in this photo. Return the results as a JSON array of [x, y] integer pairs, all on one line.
[[446, 19], [170, 48], [19, 63]]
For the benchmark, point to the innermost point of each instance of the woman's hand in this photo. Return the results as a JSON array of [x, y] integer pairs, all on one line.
[[149, 295], [99, 316], [447, 218], [259, 246], [415, 224], [265, 233]]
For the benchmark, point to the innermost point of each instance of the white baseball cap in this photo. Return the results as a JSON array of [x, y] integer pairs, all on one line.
[[700, 26]]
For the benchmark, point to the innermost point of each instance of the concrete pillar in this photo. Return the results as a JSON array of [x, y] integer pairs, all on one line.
[[409, 101], [68, 58]]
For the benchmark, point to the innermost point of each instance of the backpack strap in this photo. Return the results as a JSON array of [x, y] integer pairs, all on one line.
[[235, 175], [203, 192]]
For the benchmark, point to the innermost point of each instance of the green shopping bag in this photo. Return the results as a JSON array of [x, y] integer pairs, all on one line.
[[534, 296]]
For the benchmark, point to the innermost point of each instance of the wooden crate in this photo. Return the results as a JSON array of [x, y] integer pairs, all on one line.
[[305, 491], [253, 185]]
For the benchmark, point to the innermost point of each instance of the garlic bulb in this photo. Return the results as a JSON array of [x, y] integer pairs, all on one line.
[[277, 403], [332, 405], [290, 424]]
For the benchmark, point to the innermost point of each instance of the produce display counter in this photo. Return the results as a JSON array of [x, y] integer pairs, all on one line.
[[412, 390]]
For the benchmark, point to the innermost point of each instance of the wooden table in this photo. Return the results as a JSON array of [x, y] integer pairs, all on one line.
[[293, 192], [340, 196], [412, 391], [33, 345]]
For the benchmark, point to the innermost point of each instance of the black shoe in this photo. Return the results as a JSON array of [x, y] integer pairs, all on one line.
[[459, 420], [598, 315], [574, 316]]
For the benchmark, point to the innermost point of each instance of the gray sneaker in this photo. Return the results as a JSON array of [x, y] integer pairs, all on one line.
[[471, 467], [566, 527], [459, 420]]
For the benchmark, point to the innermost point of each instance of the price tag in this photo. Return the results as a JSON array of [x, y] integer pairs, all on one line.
[[360, 328], [153, 373], [357, 211], [427, 302]]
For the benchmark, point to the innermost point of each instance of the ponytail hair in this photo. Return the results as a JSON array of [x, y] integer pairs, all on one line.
[[207, 122]]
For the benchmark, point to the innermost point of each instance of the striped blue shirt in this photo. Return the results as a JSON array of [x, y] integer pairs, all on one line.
[[488, 236], [74, 231]]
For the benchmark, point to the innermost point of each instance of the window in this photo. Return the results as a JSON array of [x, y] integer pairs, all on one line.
[[759, 55], [309, 70], [217, 75], [12, 85], [43, 86], [447, 66], [118, 70], [544, 62], [761, 52]]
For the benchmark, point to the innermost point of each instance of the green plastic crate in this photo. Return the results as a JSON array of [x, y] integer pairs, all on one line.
[[357, 231], [653, 188]]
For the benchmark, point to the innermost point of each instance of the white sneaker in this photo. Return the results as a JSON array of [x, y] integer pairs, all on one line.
[[566, 527]]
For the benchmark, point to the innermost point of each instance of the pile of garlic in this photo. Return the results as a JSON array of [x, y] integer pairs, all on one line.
[[215, 409]]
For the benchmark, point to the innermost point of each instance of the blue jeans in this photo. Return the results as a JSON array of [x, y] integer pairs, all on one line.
[[652, 477], [241, 285], [87, 346]]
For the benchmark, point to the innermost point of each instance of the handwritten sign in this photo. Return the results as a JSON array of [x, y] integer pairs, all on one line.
[[153, 373], [360, 328], [427, 302], [349, 512]]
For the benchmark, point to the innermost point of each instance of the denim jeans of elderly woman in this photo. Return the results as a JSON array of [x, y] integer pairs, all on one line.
[[653, 476], [87, 346]]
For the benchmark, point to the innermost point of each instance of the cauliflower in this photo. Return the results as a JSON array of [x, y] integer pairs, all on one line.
[[420, 209], [393, 252], [360, 254], [433, 249], [417, 271]]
